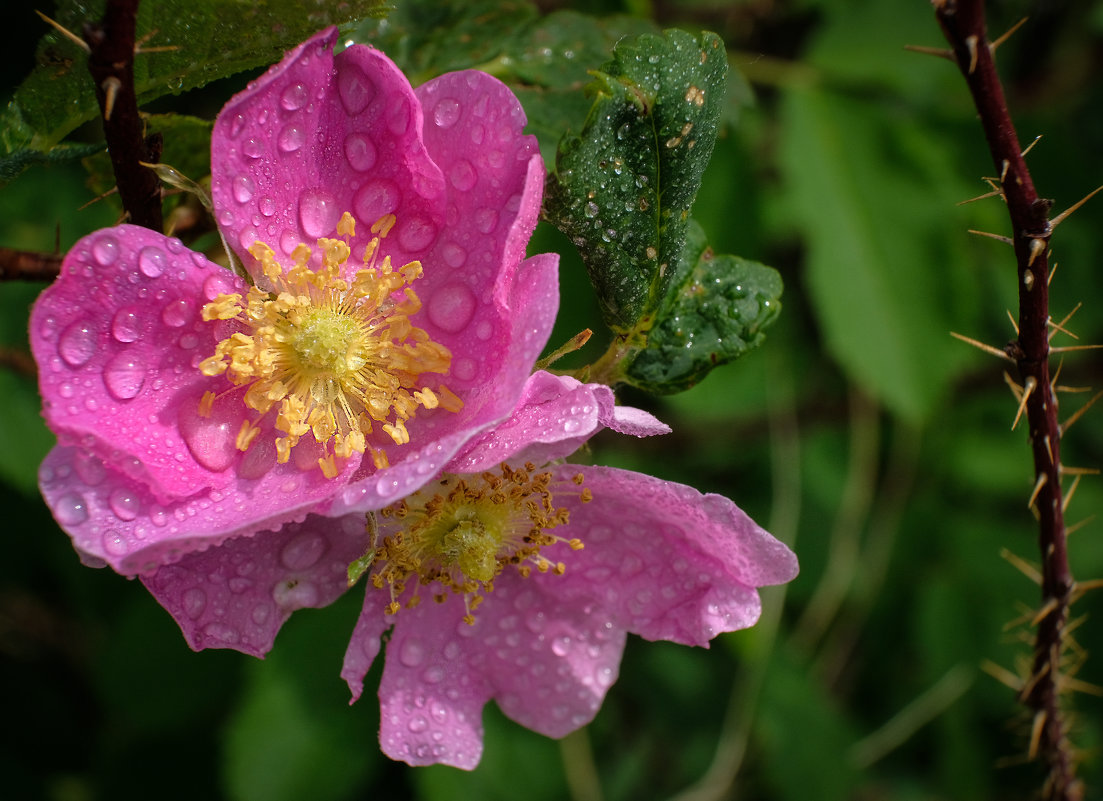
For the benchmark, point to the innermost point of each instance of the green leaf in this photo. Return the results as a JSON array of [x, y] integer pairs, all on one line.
[[17, 161], [209, 39], [623, 189], [717, 310], [428, 37], [871, 194]]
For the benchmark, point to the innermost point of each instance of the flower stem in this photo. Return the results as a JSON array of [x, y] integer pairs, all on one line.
[[963, 24]]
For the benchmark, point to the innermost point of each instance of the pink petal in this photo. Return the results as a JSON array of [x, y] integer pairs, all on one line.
[[115, 520], [554, 417], [667, 562], [317, 136], [237, 595], [118, 339], [547, 664]]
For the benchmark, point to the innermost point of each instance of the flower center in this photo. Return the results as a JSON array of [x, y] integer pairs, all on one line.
[[464, 531], [332, 357]]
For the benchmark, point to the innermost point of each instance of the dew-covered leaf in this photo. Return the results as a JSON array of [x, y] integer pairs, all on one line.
[[623, 188], [717, 310], [187, 44]]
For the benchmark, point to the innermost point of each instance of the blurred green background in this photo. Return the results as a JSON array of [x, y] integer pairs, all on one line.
[[862, 433]]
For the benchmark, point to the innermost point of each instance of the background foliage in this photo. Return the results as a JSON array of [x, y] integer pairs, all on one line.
[[860, 432]]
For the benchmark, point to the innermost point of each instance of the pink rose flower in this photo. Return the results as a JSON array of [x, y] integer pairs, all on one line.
[[394, 318], [520, 583]]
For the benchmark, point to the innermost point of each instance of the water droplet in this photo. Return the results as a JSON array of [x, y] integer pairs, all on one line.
[[438, 710], [478, 133], [105, 251], [354, 88], [71, 509], [222, 633], [295, 594], [484, 330], [293, 97], [318, 213], [236, 125], [412, 652], [89, 468], [211, 440], [217, 284], [434, 674], [177, 313], [452, 307], [463, 175], [152, 261], [124, 376], [398, 119], [360, 151], [291, 138], [561, 646], [454, 255], [124, 504], [77, 344], [253, 148], [486, 220], [267, 206], [114, 543], [464, 369], [417, 233], [243, 188], [303, 551], [446, 113], [375, 199], [261, 613], [418, 723], [126, 325], [591, 209], [194, 601], [258, 460]]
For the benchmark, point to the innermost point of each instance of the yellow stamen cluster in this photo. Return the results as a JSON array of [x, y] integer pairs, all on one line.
[[461, 532], [329, 356]]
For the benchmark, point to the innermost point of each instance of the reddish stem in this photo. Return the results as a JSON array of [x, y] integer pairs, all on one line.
[[963, 24], [111, 62]]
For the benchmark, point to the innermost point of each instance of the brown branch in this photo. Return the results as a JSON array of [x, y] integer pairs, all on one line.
[[963, 24], [111, 62], [25, 265]]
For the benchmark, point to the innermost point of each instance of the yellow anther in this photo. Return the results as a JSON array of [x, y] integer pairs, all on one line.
[[383, 225], [448, 400], [328, 464], [207, 401], [245, 435], [346, 226]]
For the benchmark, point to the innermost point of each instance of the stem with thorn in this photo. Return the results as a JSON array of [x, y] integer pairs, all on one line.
[[963, 24], [111, 62]]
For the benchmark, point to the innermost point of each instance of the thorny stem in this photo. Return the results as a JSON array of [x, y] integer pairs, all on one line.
[[963, 24], [111, 62], [24, 265]]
